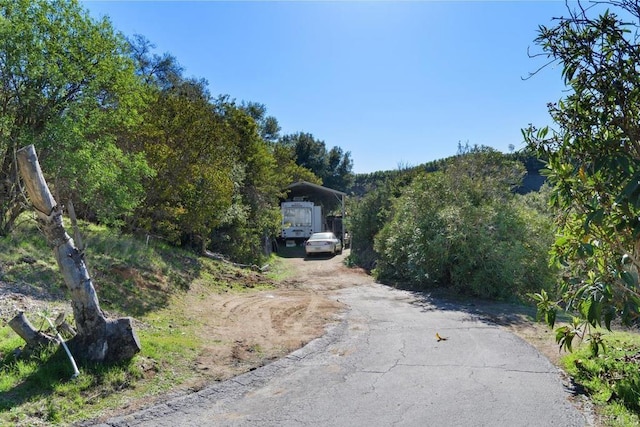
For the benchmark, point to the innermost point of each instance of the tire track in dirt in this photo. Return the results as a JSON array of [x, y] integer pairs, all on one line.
[[243, 332]]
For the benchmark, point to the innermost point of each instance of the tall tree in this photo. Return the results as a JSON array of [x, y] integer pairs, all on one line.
[[285, 162], [219, 173], [254, 215], [309, 152], [66, 85], [333, 167], [187, 143], [594, 164], [268, 126], [160, 71], [339, 174]]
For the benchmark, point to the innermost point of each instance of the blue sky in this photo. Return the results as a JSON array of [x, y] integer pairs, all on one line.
[[394, 83]]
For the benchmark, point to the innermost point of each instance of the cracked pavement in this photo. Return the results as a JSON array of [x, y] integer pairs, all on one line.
[[383, 366]]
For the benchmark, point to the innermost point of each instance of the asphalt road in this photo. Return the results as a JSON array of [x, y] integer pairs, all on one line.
[[383, 366]]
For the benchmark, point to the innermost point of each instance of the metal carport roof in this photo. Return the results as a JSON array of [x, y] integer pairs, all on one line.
[[327, 197]]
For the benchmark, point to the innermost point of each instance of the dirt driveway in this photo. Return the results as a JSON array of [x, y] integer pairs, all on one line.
[[243, 331]]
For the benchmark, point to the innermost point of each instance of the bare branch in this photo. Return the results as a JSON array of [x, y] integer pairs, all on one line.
[[539, 69]]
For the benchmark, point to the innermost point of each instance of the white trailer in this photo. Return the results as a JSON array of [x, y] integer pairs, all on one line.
[[300, 220]]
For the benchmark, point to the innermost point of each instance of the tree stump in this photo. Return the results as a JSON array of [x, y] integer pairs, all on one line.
[[98, 339]]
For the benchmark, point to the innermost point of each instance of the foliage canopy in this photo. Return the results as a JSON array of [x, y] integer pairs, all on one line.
[[67, 86], [333, 167], [593, 164], [135, 144], [460, 228]]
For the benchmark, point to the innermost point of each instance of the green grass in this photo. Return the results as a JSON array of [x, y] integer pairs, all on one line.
[[612, 378], [277, 270], [133, 277]]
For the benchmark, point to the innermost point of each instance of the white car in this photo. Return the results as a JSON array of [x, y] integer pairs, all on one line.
[[326, 242]]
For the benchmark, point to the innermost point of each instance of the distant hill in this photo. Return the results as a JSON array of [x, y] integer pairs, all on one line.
[[364, 183]]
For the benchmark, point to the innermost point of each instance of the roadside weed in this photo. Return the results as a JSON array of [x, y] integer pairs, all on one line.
[[611, 378]]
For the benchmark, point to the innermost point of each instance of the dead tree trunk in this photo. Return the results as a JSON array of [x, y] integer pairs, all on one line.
[[34, 338], [98, 339]]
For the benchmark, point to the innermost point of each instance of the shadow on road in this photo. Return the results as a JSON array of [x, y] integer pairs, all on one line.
[[319, 257], [290, 252], [485, 311], [504, 313], [298, 252]]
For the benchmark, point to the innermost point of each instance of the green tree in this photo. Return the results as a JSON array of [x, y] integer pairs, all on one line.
[[67, 86], [594, 164], [370, 207], [368, 216], [309, 152], [285, 162], [339, 169], [219, 172], [268, 126], [254, 215], [157, 71], [188, 145], [333, 167], [463, 228]]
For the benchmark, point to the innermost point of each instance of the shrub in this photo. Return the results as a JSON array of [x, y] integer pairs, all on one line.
[[466, 230]]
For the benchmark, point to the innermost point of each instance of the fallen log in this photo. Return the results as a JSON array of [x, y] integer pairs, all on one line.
[[34, 338], [222, 258]]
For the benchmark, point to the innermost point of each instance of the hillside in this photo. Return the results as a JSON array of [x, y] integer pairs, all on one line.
[[198, 320], [367, 182]]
